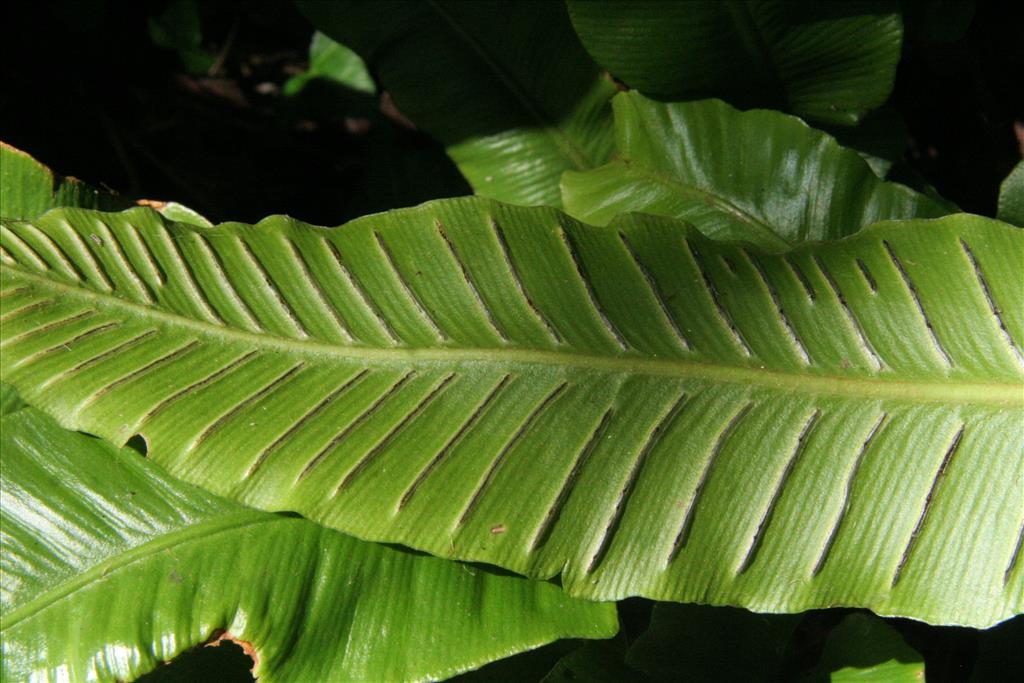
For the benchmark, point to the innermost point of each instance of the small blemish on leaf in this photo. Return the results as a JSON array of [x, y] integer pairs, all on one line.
[[152, 203], [221, 637], [498, 529]]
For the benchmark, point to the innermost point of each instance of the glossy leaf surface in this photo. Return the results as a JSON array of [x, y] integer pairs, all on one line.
[[505, 86], [759, 176], [111, 566], [636, 408], [829, 62]]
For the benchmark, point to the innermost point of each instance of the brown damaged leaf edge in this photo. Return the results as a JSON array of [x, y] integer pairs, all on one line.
[[221, 636]]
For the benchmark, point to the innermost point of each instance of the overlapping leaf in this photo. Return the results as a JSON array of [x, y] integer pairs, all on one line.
[[759, 176], [706, 644], [1011, 196], [111, 566], [28, 189], [636, 408], [829, 62], [505, 86], [864, 648]]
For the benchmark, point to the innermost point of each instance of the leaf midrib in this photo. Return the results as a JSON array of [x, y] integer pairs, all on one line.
[[1007, 394], [200, 531]]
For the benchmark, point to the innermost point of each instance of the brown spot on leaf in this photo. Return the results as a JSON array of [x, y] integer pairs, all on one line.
[[498, 529]]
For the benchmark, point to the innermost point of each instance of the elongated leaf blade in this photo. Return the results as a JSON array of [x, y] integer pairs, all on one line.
[[138, 567], [636, 408], [505, 86], [829, 62], [759, 176]]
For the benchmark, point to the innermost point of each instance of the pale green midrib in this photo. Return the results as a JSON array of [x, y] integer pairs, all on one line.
[[193, 533], [560, 138], [718, 201], [923, 391]]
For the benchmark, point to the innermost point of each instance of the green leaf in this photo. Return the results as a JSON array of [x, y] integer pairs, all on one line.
[[864, 648], [1011, 197], [505, 86], [637, 409], [29, 189], [178, 212], [10, 401], [600, 664], [700, 643], [825, 61], [139, 567], [179, 28], [333, 62], [758, 176], [881, 139]]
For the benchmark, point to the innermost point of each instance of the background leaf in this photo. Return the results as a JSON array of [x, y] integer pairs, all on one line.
[[1011, 197], [101, 544], [757, 176], [180, 28], [701, 643], [864, 648], [999, 651], [334, 62], [505, 86], [30, 189], [603, 664], [637, 409], [825, 61]]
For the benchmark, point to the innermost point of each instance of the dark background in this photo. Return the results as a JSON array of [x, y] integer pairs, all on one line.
[[88, 92]]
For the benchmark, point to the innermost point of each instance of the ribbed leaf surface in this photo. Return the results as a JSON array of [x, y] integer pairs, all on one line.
[[110, 566], [636, 408], [505, 86], [759, 176], [826, 61]]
